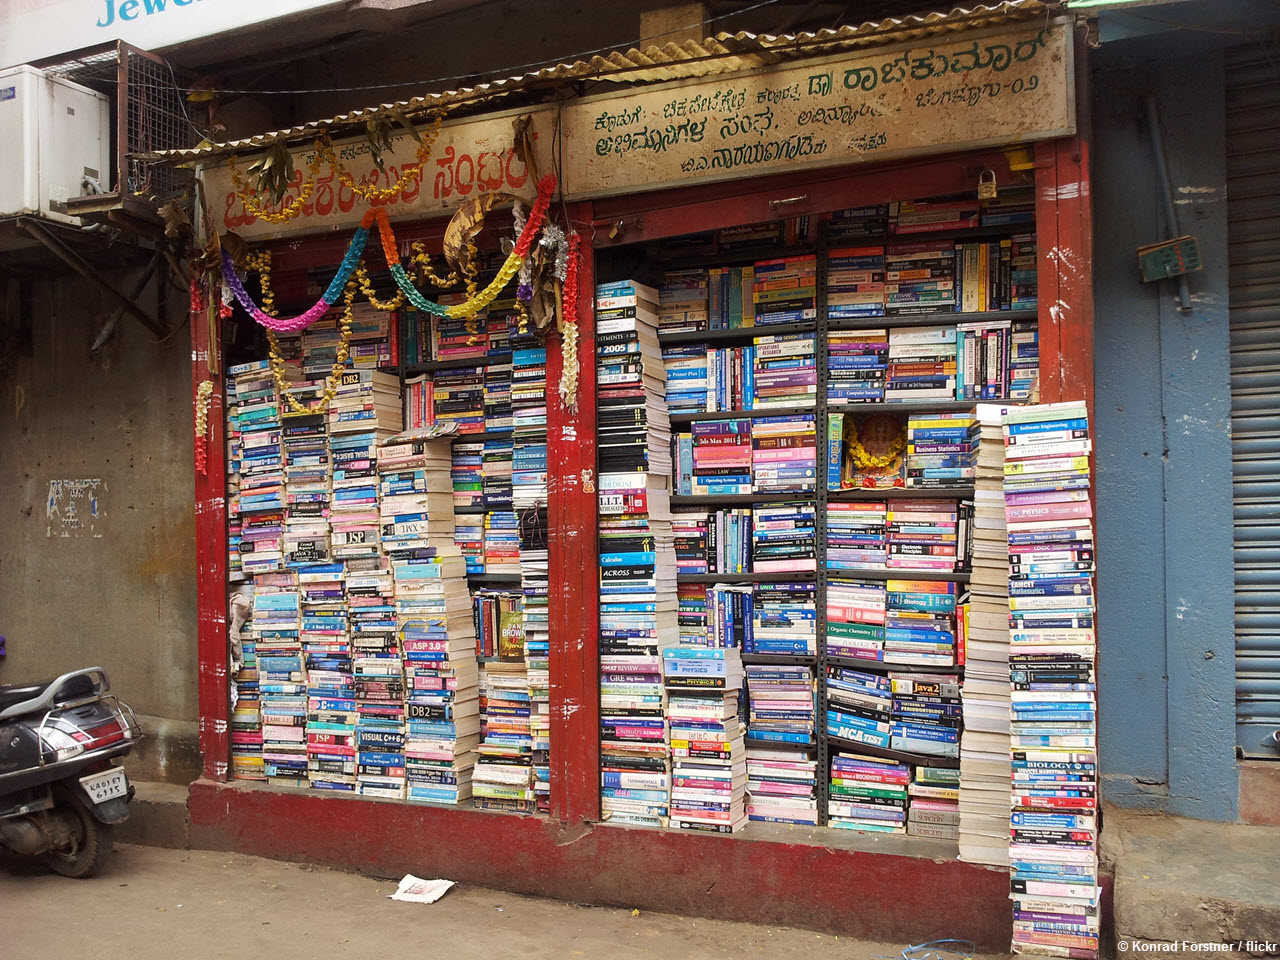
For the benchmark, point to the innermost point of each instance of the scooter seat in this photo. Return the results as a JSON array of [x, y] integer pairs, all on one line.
[[18, 693]]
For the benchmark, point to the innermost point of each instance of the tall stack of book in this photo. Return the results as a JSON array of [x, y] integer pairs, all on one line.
[[638, 618], [687, 379], [855, 619], [307, 481], [940, 450], [379, 675], [784, 372], [529, 423], [709, 760], [923, 535], [235, 456], [495, 474], [497, 376], [260, 498], [1053, 849], [781, 785], [682, 301], [331, 685], [857, 364], [504, 774], [784, 619], [1024, 361], [926, 714], [921, 364], [785, 290], [780, 698], [868, 793], [920, 278], [920, 623], [433, 620], [722, 457], [281, 679], [246, 707], [856, 538], [535, 628], [984, 744], [855, 282], [783, 452], [501, 543], [782, 538]]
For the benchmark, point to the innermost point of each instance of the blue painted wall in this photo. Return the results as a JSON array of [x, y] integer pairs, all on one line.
[[1163, 406]]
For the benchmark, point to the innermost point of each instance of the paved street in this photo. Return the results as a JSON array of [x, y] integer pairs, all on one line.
[[159, 904]]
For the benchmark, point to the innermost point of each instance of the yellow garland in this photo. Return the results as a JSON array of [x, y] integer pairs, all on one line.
[[864, 459], [366, 287], [420, 258], [289, 210], [381, 194], [203, 394], [261, 262]]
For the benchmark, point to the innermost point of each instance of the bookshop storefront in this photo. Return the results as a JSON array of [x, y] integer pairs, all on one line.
[[530, 558]]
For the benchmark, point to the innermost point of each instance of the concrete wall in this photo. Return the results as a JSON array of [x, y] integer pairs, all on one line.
[[1166, 643], [118, 591]]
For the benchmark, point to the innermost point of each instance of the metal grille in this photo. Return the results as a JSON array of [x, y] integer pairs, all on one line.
[[1253, 212]]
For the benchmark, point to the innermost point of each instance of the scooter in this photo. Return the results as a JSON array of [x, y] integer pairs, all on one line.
[[60, 792]]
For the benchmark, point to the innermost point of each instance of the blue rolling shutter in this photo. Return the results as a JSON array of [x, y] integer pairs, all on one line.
[[1253, 193]]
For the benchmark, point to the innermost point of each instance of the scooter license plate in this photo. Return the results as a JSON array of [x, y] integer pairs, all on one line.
[[106, 785]]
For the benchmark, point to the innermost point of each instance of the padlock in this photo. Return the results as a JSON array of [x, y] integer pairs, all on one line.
[[987, 185]]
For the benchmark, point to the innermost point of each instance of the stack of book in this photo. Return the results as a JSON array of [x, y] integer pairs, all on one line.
[[1024, 361], [503, 777], [868, 793], [380, 711], [1022, 276], [497, 377], [920, 623], [730, 303], [682, 301], [497, 615], [495, 474], [529, 423], [858, 223], [433, 620], [933, 214], [940, 450], [501, 543], [785, 290], [281, 680], [1053, 850], [687, 377], [855, 619], [1012, 205], [923, 535], [921, 364], [458, 397], [455, 338], [370, 341], [353, 512], [855, 282], [783, 371], [984, 743], [782, 538], [783, 452], [692, 614], [781, 785], [934, 811], [419, 401], [235, 454], [331, 685], [246, 707], [780, 704], [859, 706], [690, 530], [857, 364], [638, 617], [926, 714], [920, 278], [467, 476], [709, 756], [535, 627], [307, 482], [721, 458], [784, 619], [856, 538], [260, 497]]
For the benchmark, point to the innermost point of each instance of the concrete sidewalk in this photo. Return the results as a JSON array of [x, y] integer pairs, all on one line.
[[158, 904]]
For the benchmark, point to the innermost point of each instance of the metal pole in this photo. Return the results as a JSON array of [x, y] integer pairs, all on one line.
[[1166, 187]]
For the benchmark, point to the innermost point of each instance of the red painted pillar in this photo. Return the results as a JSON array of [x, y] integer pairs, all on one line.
[[571, 526], [1064, 245], [211, 557]]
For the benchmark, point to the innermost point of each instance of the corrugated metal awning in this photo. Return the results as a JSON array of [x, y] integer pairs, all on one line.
[[721, 54]]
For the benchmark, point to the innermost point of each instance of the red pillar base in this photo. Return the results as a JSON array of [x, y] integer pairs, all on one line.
[[851, 892]]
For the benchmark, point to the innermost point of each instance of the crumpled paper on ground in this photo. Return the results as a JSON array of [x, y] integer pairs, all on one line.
[[416, 890]]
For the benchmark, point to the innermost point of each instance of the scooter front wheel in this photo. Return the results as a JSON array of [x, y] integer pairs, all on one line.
[[87, 851]]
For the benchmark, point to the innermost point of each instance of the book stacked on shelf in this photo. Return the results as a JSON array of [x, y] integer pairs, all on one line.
[[691, 532], [783, 371], [504, 775], [501, 543], [495, 474], [308, 483], [924, 535], [785, 290], [920, 623], [1053, 849], [370, 341], [454, 338], [984, 743], [419, 401], [855, 619], [692, 613], [467, 476], [781, 785], [921, 364], [730, 616], [246, 703], [940, 450], [1012, 205], [856, 535], [378, 663], [260, 486], [330, 672], [857, 365], [728, 541], [281, 680], [920, 278], [1024, 359], [721, 458], [682, 301], [638, 618], [780, 699], [499, 632], [858, 223], [709, 756], [536, 628], [731, 304], [234, 455], [687, 367], [433, 620], [933, 810], [933, 214], [859, 706], [855, 282], [1022, 276], [926, 714], [458, 397], [529, 423], [497, 377], [868, 793], [783, 538], [784, 619], [729, 378], [783, 453]]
